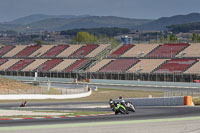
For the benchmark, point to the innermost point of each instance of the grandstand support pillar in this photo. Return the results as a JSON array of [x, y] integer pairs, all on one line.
[[49, 85], [164, 77], [156, 77]]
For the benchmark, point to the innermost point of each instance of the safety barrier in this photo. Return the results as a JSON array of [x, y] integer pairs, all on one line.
[[188, 101], [161, 101], [41, 96]]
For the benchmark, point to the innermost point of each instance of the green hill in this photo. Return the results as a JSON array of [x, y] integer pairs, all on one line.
[[39, 22], [161, 23], [34, 23], [184, 27]]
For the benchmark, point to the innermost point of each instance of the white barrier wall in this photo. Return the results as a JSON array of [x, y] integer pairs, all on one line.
[[169, 101], [41, 96]]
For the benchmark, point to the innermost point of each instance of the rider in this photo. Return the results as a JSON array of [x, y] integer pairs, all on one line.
[[23, 104], [122, 106], [123, 103], [120, 97]]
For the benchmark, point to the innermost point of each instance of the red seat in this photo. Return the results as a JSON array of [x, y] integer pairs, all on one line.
[[76, 65], [49, 64], [119, 65], [2, 61], [5, 49], [85, 50], [28, 51], [121, 50], [55, 50], [20, 65], [167, 50], [175, 66]]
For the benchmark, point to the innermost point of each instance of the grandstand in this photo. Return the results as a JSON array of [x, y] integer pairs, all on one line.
[[129, 61], [167, 50]]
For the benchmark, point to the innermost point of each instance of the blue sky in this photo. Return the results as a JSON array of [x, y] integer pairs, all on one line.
[[150, 9]]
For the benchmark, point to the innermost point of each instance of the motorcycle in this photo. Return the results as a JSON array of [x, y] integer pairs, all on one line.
[[121, 109], [112, 105], [130, 106], [23, 104]]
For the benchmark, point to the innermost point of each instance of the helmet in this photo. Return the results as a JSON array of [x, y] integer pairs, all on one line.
[[122, 101], [120, 97]]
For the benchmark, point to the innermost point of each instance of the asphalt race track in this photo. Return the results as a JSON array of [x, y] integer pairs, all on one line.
[[142, 113]]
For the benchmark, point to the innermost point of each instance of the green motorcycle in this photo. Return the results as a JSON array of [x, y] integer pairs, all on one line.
[[121, 109]]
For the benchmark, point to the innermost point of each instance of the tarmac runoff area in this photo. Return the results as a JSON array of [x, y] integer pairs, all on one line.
[[171, 125], [27, 113]]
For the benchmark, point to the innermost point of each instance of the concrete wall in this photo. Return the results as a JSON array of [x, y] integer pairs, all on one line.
[[169, 101], [41, 96], [113, 82], [145, 83]]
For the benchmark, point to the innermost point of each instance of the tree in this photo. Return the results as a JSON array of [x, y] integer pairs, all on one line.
[[84, 37], [173, 38], [162, 39], [38, 42], [195, 37]]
